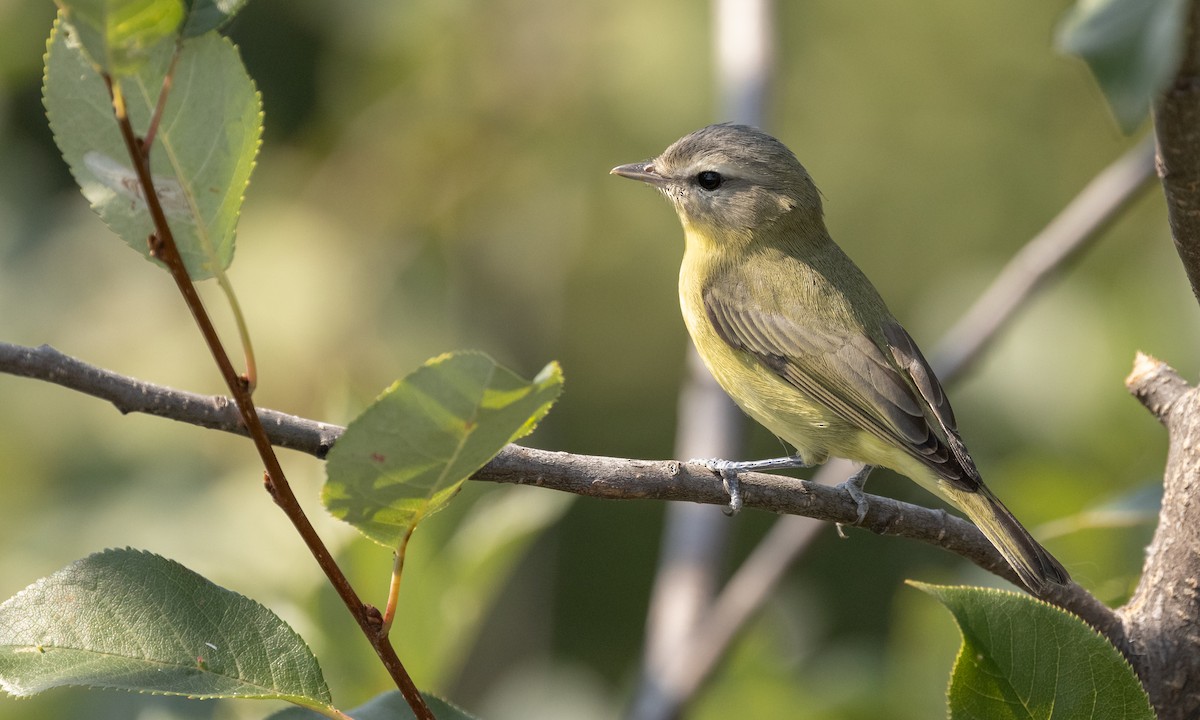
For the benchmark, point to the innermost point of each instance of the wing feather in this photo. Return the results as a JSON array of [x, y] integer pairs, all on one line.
[[892, 395]]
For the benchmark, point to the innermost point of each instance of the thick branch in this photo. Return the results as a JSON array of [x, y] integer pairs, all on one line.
[[1177, 125], [593, 476], [1163, 617]]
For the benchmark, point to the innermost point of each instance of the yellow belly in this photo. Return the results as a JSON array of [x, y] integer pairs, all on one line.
[[816, 431]]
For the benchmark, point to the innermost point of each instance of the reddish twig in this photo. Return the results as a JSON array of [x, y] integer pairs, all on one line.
[[164, 249]]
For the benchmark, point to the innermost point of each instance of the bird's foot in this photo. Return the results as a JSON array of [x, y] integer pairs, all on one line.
[[729, 470], [854, 488]]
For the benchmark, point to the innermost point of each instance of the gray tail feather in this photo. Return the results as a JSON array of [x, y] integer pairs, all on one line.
[[1036, 567], [1034, 564]]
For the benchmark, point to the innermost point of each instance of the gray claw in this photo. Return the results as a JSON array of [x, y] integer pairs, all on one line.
[[734, 489], [728, 472], [854, 488]]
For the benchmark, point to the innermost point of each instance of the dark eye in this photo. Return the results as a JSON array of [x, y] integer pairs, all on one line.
[[709, 179]]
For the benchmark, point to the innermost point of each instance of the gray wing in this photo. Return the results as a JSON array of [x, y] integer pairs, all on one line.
[[897, 399]]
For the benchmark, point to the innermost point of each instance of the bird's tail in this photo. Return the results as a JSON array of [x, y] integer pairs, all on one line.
[[1036, 567]]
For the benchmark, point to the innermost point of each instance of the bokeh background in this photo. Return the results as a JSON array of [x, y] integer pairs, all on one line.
[[434, 177]]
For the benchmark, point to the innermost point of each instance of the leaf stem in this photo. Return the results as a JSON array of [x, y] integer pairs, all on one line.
[[250, 377], [163, 248], [389, 612]]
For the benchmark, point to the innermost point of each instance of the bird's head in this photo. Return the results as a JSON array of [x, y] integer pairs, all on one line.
[[732, 178]]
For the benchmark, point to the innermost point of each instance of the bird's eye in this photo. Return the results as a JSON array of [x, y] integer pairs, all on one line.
[[709, 179]]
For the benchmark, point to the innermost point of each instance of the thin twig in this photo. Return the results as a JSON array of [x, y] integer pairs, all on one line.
[[1045, 255], [163, 247], [589, 475]]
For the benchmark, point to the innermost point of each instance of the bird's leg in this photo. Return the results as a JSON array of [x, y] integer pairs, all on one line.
[[729, 469], [854, 488]]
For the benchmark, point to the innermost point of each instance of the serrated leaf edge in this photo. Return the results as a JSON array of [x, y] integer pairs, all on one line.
[[302, 700], [933, 589]]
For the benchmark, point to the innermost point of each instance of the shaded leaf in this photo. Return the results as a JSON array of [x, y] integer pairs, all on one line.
[[1024, 658], [132, 620], [1133, 48], [410, 451], [203, 152], [119, 36], [205, 15], [386, 706]]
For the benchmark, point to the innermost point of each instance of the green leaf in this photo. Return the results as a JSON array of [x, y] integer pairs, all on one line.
[[387, 706], [205, 15], [119, 36], [1133, 47], [1024, 658], [132, 620], [203, 152], [411, 450]]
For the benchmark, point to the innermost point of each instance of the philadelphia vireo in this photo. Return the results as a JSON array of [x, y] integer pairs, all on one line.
[[797, 335]]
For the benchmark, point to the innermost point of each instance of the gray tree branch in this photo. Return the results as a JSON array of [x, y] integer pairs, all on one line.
[[588, 475], [1046, 255]]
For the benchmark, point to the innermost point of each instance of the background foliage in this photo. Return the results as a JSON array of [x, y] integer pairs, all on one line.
[[434, 176]]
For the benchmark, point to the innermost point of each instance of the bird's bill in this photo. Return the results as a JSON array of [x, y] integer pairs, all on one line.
[[643, 171]]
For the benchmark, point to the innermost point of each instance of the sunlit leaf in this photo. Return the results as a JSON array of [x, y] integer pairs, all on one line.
[[202, 155], [409, 453], [388, 706], [132, 620], [1133, 47], [119, 36], [1024, 658]]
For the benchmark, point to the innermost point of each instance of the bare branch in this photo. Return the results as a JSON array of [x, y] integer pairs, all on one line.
[[1063, 239], [128, 395], [589, 475]]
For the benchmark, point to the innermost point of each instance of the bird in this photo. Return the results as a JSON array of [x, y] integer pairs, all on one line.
[[796, 334]]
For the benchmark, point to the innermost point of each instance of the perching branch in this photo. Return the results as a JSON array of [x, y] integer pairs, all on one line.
[[592, 476]]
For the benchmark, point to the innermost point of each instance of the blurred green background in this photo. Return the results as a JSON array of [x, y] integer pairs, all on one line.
[[433, 177]]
